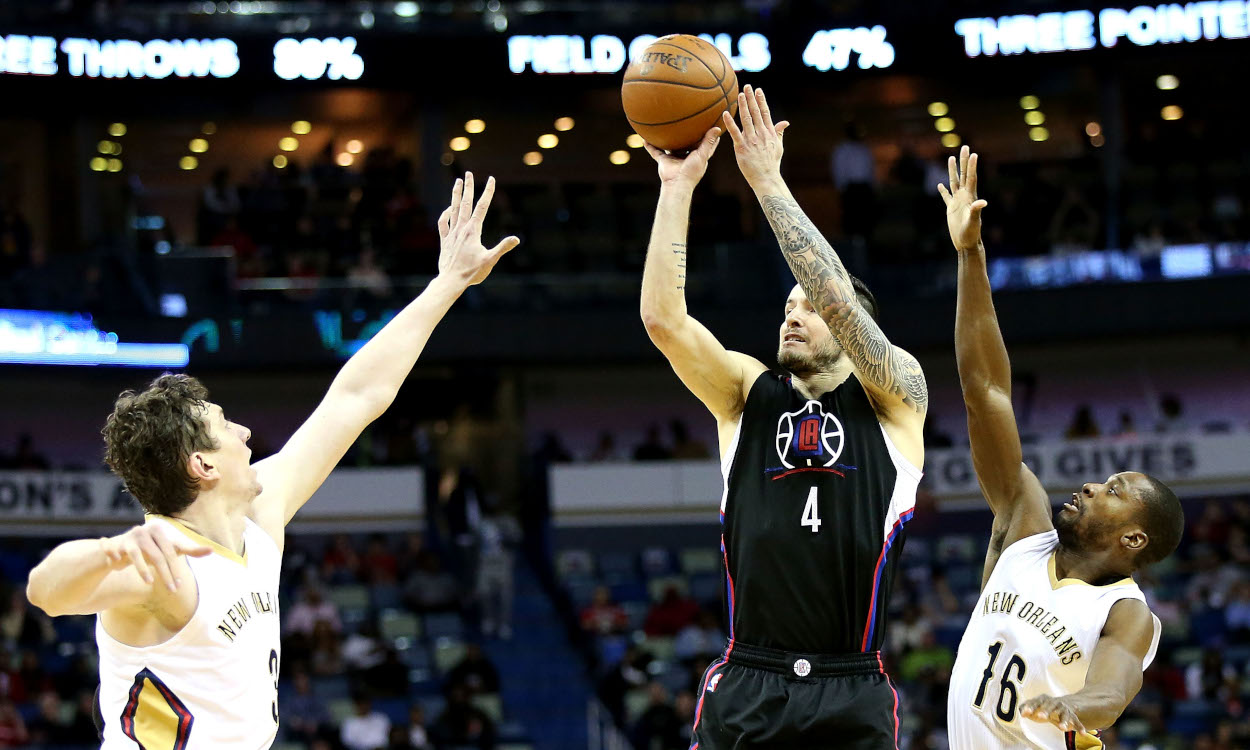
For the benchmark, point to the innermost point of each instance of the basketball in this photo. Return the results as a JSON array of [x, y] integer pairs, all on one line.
[[676, 89]]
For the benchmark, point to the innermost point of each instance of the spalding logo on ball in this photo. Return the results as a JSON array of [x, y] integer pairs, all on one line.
[[676, 90]]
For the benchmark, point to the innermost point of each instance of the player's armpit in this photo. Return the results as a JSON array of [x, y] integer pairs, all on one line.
[[1115, 669], [718, 377]]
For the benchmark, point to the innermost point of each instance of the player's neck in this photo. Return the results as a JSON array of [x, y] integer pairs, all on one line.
[[214, 520], [1094, 570], [815, 384]]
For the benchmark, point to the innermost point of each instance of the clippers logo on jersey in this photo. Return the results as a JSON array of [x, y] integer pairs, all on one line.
[[809, 437]]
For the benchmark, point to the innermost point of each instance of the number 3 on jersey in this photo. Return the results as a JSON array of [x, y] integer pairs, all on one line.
[[811, 512]]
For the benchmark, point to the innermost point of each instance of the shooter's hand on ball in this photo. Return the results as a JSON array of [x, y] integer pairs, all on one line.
[[686, 172], [757, 145], [462, 255]]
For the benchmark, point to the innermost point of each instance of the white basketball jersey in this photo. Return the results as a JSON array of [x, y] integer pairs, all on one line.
[[1031, 634], [214, 684]]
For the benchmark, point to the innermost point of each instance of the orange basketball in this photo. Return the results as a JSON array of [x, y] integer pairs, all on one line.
[[676, 89]]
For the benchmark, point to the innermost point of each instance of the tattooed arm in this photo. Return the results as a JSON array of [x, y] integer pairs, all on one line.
[[892, 376], [716, 376]]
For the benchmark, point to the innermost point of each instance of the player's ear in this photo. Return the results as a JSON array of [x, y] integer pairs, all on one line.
[[1134, 540], [201, 467]]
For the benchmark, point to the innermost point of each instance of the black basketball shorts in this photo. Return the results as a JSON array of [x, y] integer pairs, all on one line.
[[753, 698]]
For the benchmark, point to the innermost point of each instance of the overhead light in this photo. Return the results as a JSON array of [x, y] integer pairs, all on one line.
[[406, 9], [474, 126], [634, 141], [944, 124], [619, 157], [279, 161], [288, 143], [117, 129], [1092, 129], [951, 140], [366, 20], [198, 145], [115, 165], [1097, 141], [459, 143], [1039, 134], [564, 123], [98, 164], [344, 159], [104, 147], [354, 146], [188, 163], [938, 109], [1167, 82], [1030, 102], [208, 128], [1172, 112], [1034, 117], [532, 158], [548, 140], [301, 127]]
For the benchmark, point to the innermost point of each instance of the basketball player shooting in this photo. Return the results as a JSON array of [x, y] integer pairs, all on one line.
[[1057, 643], [188, 630], [821, 458]]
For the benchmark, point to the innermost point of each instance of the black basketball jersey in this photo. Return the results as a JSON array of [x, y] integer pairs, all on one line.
[[816, 497]]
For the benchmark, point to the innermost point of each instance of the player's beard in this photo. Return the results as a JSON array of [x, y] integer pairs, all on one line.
[[819, 358], [1078, 533]]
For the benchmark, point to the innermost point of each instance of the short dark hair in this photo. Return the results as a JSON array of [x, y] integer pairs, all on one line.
[[149, 437], [1163, 520], [866, 298]]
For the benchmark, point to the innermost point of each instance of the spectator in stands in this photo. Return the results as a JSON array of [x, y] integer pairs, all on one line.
[[82, 729], [657, 728], [462, 723], [1237, 613], [314, 608], [24, 627], [219, 202], [929, 657], [627, 674], [379, 564], [651, 449], [389, 677], [27, 458], [604, 616], [1212, 580], [1211, 679], [497, 537], [367, 275], [398, 739], [673, 612], [475, 673], [365, 729], [303, 714], [1125, 429], [684, 706], [1171, 414], [12, 728], [1212, 528], [605, 448], [418, 736], [685, 446], [48, 728], [363, 649], [429, 588], [326, 657], [909, 631], [855, 176], [700, 639], [1083, 424], [340, 564]]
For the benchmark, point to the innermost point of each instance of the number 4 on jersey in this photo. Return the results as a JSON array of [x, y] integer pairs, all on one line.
[[811, 512]]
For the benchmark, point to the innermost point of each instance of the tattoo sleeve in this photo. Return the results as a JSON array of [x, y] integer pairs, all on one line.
[[828, 286]]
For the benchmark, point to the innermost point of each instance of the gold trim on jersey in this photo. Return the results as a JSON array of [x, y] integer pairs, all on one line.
[[220, 549], [154, 717], [1057, 583]]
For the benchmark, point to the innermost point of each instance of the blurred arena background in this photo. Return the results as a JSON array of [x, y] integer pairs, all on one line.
[[247, 190]]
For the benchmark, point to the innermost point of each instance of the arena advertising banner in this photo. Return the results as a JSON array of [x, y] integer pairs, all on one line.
[[621, 492], [47, 502]]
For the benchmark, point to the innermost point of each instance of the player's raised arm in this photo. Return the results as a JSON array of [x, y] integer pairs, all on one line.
[[1114, 677], [718, 377], [890, 375], [1012, 491], [367, 384]]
